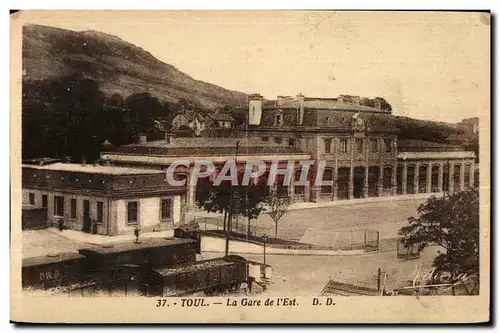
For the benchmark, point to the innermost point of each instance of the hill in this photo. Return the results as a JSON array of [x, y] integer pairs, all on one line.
[[118, 66], [426, 130]]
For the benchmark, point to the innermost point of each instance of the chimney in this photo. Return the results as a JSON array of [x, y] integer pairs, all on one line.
[[300, 109], [143, 138], [168, 137], [254, 109], [279, 100], [377, 104]]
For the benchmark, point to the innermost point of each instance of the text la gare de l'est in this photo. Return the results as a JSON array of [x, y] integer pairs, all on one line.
[[246, 302]]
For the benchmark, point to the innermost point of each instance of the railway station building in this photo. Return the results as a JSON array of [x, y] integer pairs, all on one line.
[[358, 143], [103, 200]]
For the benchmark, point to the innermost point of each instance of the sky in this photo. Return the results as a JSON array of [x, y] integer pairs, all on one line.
[[428, 65]]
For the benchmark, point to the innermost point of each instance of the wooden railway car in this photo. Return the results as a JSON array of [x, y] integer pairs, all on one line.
[[190, 231], [211, 276], [52, 270], [152, 253]]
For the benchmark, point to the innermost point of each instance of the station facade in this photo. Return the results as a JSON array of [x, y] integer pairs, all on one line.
[[358, 144]]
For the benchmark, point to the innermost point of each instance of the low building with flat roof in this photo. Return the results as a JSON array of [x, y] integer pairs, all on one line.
[[103, 200]]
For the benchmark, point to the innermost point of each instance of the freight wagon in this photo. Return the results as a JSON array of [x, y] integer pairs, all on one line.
[[211, 276], [154, 252], [154, 267], [52, 270]]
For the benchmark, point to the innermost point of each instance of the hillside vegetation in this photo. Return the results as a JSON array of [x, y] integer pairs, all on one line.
[[118, 66]]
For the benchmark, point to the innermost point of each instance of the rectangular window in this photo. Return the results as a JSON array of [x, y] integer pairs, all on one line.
[[388, 145], [359, 145], [291, 142], [343, 145], [166, 209], [278, 120], [277, 140], [32, 198], [73, 209], [265, 138], [467, 176], [328, 145], [100, 212], [374, 145], [44, 201], [132, 212], [58, 205]]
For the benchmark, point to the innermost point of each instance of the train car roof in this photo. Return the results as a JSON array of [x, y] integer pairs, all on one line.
[[51, 258], [217, 262], [258, 263], [131, 246], [193, 226]]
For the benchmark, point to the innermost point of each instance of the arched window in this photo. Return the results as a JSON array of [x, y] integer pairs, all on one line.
[[387, 182], [299, 190]]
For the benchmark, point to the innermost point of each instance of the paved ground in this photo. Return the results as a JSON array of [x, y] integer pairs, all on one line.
[[43, 242], [307, 275], [386, 217], [51, 240]]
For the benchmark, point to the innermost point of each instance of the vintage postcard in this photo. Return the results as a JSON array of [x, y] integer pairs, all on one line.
[[250, 167]]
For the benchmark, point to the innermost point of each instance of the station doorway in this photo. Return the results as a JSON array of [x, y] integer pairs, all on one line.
[[358, 182]]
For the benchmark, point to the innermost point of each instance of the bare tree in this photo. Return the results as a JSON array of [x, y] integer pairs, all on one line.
[[278, 203]]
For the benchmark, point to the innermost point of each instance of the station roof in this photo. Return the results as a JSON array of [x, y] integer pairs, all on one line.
[[421, 145], [131, 246], [325, 103], [93, 168]]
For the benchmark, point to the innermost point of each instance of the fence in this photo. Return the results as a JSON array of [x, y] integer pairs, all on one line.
[[365, 238], [217, 223], [352, 287], [407, 253], [349, 288], [313, 239]]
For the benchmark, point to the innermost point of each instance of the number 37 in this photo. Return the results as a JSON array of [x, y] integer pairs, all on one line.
[[161, 303]]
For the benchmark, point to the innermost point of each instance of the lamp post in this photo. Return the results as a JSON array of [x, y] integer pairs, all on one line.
[[264, 238], [404, 177]]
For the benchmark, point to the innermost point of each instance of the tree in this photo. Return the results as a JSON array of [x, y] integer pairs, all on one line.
[[452, 223], [253, 198], [473, 145], [213, 199], [384, 105], [367, 102], [246, 201], [63, 118], [278, 203], [142, 108]]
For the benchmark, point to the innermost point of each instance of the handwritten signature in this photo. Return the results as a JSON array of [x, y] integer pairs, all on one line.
[[432, 277]]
